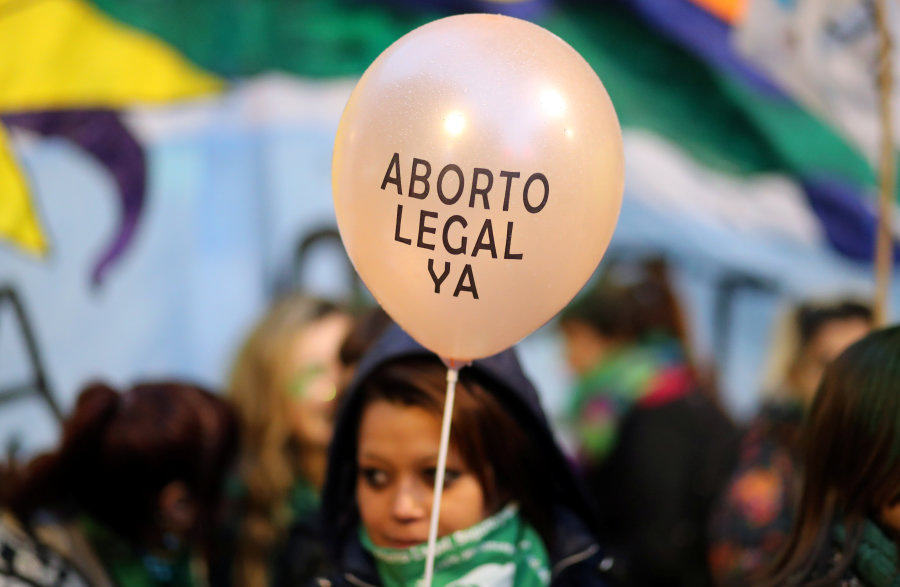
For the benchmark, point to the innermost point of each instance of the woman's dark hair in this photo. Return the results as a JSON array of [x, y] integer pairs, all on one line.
[[118, 450], [630, 300], [490, 441], [367, 327], [811, 318], [851, 456]]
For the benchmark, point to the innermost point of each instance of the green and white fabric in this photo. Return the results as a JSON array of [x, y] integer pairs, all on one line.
[[500, 551]]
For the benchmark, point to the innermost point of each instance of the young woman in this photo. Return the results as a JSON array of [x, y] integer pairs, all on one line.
[[511, 513], [755, 513], [284, 388], [130, 495], [848, 518], [303, 556], [653, 447]]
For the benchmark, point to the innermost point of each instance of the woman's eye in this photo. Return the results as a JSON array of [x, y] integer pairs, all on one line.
[[450, 476], [374, 478]]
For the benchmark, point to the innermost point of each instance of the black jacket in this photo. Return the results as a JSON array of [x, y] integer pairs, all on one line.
[[655, 490], [575, 556]]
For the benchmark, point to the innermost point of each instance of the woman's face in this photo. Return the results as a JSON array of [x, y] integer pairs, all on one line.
[[312, 381], [830, 341], [397, 460], [585, 347]]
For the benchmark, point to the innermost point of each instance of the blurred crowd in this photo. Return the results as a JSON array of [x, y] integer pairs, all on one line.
[[316, 465]]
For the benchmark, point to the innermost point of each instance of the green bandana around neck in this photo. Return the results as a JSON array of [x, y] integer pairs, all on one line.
[[500, 551], [137, 569], [877, 560]]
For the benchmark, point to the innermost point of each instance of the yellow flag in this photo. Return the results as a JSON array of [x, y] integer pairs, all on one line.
[[19, 223], [68, 54]]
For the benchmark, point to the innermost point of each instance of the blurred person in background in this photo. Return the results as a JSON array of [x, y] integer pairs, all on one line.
[[755, 515], [283, 386], [847, 527], [512, 512], [130, 496], [653, 446], [303, 556]]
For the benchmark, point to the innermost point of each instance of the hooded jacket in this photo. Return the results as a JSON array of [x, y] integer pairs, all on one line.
[[575, 556]]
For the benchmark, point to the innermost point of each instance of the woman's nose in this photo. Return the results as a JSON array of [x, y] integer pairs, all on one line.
[[410, 502]]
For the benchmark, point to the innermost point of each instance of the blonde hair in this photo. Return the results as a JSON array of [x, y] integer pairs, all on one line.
[[784, 349], [258, 391]]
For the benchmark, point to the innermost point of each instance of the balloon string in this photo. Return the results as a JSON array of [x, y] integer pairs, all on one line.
[[452, 376]]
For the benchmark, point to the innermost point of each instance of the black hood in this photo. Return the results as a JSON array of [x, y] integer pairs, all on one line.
[[501, 374]]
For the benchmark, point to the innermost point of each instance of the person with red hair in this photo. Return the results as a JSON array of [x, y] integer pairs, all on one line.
[[130, 495]]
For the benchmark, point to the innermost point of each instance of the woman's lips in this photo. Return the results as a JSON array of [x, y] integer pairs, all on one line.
[[403, 542]]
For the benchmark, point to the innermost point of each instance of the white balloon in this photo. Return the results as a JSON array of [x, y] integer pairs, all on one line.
[[477, 176]]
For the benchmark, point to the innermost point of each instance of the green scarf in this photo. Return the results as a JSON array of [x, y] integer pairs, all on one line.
[[876, 561], [621, 379], [134, 569], [303, 500], [501, 551]]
